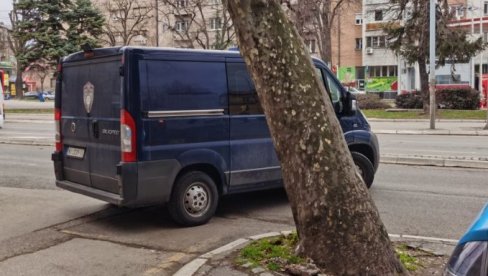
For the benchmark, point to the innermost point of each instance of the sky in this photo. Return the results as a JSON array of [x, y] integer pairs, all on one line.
[[5, 8]]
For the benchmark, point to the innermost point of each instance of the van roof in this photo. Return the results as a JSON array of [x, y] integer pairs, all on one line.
[[99, 52]]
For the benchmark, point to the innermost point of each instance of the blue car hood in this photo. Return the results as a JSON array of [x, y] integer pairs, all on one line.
[[479, 229]]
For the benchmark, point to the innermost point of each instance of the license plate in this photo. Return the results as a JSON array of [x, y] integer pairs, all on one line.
[[78, 153]]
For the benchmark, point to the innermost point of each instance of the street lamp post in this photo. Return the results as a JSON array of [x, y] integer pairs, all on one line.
[[432, 63]]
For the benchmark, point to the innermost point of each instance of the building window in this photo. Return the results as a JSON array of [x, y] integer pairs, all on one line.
[[382, 71], [378, 15], [181, 26], [359, 19], [310, 45], [458, 11], [215, 23], [376, 41], [359, 43], [485, 8], [181, 3]]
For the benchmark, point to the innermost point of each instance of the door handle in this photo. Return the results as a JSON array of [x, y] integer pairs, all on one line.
[[96, 131]]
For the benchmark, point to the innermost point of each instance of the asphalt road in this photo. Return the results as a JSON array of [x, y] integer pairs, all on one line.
[[439, 145], [42, 232], [426, 201], [26, 167]]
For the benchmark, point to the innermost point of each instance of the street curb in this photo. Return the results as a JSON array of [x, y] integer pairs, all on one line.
[[427, 120], [26, 142], [435, 161], [193, 266], [434, 132]]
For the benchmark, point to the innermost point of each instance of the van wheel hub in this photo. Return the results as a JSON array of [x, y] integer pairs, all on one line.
[[196, 199]]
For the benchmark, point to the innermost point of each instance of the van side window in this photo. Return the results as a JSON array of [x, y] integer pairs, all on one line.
[[335, 91], [243, 99], [330, 85], [182, 85]]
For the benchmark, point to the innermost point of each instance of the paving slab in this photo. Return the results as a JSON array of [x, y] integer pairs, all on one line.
[[27, 210], [87, 257], [153, 228]]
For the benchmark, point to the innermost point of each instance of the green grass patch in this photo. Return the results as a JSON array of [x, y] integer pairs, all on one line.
[[410, 262], [278, 252], [272, 253], [441, 114], [36, 110]]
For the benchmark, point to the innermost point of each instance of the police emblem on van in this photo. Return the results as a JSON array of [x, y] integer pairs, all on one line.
[[88, 91]]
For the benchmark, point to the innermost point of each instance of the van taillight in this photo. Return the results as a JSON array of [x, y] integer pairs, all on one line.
[[57, 123], [127, 137]]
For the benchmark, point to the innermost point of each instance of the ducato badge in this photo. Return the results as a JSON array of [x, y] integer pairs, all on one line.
[[88, 91]]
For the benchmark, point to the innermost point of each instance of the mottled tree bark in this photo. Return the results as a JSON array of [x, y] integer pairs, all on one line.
[[337, 222]]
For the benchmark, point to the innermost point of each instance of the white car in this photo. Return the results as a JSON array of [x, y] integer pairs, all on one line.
[[355, 91]]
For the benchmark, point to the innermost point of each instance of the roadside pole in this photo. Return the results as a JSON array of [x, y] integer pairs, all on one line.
[[432, 64]]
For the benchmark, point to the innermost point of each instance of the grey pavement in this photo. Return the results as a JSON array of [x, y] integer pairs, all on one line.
[[421, 127], [20, 209]]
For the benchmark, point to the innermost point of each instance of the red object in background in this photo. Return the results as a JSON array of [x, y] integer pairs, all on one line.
[[394, 86], [484, 92], [334, 69]]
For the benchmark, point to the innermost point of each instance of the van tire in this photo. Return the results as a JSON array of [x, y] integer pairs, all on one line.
[[194, 199], [365, 167]]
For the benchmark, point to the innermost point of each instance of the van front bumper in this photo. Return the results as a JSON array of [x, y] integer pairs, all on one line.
[[140, 183]]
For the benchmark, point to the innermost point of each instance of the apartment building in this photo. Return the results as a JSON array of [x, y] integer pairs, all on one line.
[[348, 45], [386, 72], [6, 56], [205, 24]]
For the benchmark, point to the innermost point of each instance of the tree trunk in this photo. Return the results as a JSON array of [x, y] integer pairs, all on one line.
[[424, 84], [337, 222], [19, 83]]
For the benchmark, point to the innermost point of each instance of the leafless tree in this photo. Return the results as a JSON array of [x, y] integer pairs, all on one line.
[[316, 20], [3, 38], [198, 23], [41, 68], [127, 19]]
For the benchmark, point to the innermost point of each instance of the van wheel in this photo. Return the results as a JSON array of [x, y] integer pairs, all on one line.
[[194, 199], [365, 168]]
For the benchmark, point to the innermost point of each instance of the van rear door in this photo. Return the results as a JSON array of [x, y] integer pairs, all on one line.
[[90, 121]]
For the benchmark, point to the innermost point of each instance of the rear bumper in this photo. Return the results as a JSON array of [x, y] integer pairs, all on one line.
[[91, 192], [140, 183]]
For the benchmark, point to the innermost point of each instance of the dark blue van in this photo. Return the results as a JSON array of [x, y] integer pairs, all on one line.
[[142, 126]]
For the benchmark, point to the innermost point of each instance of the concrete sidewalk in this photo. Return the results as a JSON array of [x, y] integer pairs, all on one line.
[[421, 127]]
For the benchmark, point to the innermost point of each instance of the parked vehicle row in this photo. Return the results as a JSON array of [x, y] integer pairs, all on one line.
[[47, 95]]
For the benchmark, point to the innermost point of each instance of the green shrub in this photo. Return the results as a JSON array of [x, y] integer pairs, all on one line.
[[370, 101], [409, 100], [465, 99], [461, 99]]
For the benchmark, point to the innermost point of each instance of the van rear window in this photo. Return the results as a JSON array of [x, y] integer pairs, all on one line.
[[182, 85]]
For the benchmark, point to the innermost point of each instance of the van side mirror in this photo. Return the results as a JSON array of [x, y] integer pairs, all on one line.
[[350, 104]]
